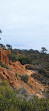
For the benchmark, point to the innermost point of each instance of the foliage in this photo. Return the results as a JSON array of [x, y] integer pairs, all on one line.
[[9, 101], [24, 78], [16, 74], [24, 60], [41, 70], [31, 67], [13, 57], [2, 46], [41, 78], [43, 49], [0, 31], [9, 47], [3, 65], [37, 61], [19, 75]]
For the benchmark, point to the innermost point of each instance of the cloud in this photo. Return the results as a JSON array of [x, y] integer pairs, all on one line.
[[25, 22]]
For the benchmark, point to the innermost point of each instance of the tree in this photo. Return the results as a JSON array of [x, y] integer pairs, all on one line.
[[2, 46], [43, 50], [9, 47], [0, 33]]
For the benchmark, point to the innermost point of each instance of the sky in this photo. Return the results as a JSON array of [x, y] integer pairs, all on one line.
[[25, 23]]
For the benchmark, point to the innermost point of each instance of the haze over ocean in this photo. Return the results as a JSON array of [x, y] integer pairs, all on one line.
[[25, 23]]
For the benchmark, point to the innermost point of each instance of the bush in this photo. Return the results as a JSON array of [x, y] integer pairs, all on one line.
[[37, 76], [41, 70], [31, 67], [3, 65], [41, 78], [24, 78], [24, 60], [10, 101], [19, 75], [16, 74], [13, 57]]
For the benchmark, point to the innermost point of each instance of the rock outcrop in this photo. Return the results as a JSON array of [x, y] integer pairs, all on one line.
[[4, 56]]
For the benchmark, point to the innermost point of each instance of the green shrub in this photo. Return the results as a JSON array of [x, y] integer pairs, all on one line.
[[41, 78], [16, 74], [19, 75], [24, 78], [10, 101], [24, 60], [3, 65], [13, 57], [31, 67], [41, 70]]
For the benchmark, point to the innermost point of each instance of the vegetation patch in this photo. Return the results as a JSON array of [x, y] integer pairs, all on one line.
[[24, 60], [41, 78], [16, 74], [10, 100], [24, 78], [13, 57], [31, 67], [3, 65]]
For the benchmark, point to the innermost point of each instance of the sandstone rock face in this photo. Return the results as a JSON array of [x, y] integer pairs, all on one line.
[[4, 56]]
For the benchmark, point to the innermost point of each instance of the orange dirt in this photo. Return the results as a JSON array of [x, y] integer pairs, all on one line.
[[4, 55]]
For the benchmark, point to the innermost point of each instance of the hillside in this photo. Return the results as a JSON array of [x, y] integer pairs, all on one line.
[[22, 84], [16, 100], [10, 75], [14, 73]]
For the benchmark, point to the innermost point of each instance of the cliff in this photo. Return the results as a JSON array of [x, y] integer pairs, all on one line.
[[4, 56]]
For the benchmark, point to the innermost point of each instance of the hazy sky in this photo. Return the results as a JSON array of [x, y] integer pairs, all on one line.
[[25, 23]]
